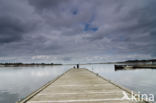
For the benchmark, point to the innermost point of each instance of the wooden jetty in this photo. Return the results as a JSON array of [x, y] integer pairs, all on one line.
[[133, 67], [79, 86]]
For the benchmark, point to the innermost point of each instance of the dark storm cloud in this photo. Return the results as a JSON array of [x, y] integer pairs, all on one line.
[[87, 30], [46, 4], [11, 30], [14, 23]]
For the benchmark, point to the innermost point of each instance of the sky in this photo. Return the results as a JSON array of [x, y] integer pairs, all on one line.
[[77, 31]]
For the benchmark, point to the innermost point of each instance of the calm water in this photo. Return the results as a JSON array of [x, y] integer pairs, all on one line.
[[17, 82]]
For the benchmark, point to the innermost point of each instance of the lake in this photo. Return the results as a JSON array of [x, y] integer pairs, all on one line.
[[18, 82]]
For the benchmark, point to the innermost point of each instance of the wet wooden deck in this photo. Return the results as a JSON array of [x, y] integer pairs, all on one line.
[[79, 86]]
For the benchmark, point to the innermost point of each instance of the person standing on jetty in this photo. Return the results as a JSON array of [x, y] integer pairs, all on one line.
[[77, 66]]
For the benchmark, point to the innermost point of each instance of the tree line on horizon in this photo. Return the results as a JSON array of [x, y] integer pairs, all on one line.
[[18, 64], [150, 60]]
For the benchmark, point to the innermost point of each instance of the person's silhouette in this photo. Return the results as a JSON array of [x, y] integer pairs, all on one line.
[[77, 66]]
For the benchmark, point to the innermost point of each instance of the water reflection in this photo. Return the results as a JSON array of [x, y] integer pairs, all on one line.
[[17, 82]]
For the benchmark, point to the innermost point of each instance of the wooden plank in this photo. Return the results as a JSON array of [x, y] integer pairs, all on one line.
[[79, 86]]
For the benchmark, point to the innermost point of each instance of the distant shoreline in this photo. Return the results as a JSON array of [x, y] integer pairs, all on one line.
[[28, 64]]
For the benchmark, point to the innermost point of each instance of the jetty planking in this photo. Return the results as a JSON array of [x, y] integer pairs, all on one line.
[[79, 86]]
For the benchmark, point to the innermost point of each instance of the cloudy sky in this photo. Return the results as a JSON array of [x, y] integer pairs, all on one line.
[[77, 31]]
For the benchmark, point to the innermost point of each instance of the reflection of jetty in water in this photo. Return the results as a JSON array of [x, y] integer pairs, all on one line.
[[131, 67]]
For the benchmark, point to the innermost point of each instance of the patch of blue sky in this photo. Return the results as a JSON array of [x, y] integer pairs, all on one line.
[[89, 28], [75, 11]]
